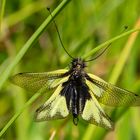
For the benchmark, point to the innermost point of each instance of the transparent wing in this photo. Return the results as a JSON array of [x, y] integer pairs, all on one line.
[[111, 95], [54, 108], [35, 81], [94, 114]]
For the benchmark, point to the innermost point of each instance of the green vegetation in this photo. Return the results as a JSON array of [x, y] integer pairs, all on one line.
[[28, 42]]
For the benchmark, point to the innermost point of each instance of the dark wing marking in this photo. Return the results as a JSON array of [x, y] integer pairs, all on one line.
[[71, 90], [54, 108], [35, 81], [112, 95], [94, 114]]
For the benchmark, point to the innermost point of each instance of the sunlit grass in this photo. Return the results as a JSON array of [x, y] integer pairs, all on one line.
[[83, 25], [2, 7]]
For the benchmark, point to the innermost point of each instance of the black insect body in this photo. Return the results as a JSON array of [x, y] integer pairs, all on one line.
[[75, 89], [77, 93]]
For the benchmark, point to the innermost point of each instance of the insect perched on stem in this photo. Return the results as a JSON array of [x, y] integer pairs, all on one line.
[[77, 93]]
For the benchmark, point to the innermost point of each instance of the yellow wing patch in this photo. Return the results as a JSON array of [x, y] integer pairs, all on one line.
[[95, 90], [94, 114], [35, 81], [95, 77], [111, 95], [54, 108]]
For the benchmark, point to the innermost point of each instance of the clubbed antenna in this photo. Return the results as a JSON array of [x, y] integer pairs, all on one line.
[[98, 54], [125, 28]]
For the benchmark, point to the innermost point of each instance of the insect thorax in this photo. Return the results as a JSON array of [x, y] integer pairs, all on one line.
[[78, 63], [77, 69], [75, 89]]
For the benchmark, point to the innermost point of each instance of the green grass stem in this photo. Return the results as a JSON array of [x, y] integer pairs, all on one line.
[[101, 46], [30, 42], [3, 3], [99, 133]]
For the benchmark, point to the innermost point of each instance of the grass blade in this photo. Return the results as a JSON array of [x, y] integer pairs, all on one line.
[[30, 42], [3, 2], [99, 133], [101, 46]]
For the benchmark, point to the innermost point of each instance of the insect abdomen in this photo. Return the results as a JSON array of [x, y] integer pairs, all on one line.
[[75, 103]]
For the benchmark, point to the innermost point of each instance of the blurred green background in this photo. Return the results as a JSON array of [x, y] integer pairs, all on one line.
[[83, 25]]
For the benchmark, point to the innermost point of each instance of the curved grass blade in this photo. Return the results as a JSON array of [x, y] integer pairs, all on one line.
[[3, 2], [20, 55], [4, 76], [99, 133], [101, 46]]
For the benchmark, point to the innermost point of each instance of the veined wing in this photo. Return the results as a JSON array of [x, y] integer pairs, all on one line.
[[54, 108], [94, 114], [35, 81], [111, 95]]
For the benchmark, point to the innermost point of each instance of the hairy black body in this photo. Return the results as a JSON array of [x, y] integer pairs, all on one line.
[[78, 93], [75, 89]]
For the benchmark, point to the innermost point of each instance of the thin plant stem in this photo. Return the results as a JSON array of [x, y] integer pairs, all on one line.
[[99, 133], [30, 42], [101, 46], [29, 102], [3, 3], [124, 55], [20, 55]]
